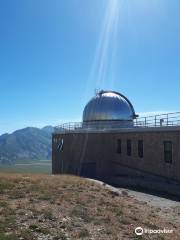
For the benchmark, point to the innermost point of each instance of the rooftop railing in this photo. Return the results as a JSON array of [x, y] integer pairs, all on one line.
[[71, 126], [158, 120]]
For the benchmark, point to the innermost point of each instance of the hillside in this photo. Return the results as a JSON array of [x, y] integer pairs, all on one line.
[[47, 207], [28, 143]]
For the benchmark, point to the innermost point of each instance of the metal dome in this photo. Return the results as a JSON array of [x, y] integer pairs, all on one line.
[[108, 106]]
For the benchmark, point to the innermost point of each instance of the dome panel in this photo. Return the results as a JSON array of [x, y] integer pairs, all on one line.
[[108, 106]]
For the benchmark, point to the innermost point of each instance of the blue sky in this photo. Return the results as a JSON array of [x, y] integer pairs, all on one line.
[[48, 50]]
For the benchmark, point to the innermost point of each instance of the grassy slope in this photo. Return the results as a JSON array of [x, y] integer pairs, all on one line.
[[66, 207]]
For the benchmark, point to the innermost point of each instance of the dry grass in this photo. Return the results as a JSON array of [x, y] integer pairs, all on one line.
[[67, 207]]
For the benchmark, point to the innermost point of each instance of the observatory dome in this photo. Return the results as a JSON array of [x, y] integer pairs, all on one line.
[[108, 106]]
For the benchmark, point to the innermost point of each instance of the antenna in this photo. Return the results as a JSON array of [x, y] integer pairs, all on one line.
[[96, 91]]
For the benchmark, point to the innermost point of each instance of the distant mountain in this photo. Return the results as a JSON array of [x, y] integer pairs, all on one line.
[[48, 129], [29, 143]]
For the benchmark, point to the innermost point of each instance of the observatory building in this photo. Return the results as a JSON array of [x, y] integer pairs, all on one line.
[[114, 144]]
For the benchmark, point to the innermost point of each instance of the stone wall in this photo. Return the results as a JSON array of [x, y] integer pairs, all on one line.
[[81, 150], [153, 160], [98, 152]]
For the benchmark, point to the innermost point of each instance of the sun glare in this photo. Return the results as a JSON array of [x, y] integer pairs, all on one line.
[[107, 44], [103, 56]]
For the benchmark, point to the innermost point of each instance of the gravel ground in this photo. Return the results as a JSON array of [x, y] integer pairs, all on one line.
[[152, 200]]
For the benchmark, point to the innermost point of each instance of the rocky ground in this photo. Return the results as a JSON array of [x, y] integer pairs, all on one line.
[[46, 207]]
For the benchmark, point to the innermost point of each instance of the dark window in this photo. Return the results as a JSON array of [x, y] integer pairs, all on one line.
[[119, 146], [168, 151], [129, 147], [140, 149]]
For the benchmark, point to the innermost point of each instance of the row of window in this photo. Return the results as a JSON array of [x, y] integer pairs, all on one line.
[[129, 147], [168, 149]]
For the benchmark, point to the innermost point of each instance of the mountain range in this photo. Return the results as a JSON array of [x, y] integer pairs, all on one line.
[[29, 143]]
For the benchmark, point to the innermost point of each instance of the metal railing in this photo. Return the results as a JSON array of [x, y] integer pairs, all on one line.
[[159, 120], [71, 126]]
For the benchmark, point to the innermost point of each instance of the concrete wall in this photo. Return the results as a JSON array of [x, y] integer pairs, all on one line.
[[99, 150]]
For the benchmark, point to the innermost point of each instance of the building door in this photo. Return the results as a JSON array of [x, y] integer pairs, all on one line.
[[88, 170]]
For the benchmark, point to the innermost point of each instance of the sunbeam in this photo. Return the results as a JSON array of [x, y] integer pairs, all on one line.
[[105, 52]]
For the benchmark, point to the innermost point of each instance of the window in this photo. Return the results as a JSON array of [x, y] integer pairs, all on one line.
[[140, 149], [129, 147], [119, 146], [60, 145], [168, 151]]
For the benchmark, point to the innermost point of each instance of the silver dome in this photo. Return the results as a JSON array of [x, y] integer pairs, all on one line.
[[109, 106]]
